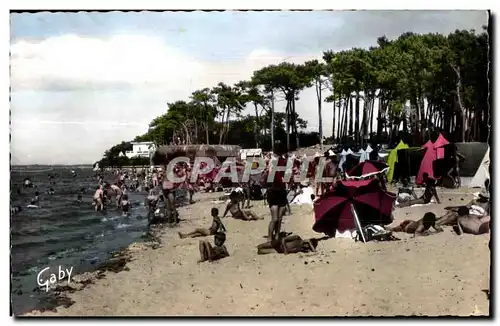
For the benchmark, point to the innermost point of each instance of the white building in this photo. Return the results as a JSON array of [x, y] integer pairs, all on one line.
[[141, 149]]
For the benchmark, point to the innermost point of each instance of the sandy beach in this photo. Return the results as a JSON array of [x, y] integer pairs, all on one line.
[[441, 274]]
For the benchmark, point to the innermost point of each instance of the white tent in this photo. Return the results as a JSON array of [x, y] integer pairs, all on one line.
[[483, 172]]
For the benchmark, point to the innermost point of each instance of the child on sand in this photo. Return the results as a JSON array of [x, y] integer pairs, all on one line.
[[209, 253], [125, 204], [217, 226], [234, 208]]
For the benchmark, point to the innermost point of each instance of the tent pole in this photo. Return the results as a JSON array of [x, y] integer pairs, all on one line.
[[358, 224]]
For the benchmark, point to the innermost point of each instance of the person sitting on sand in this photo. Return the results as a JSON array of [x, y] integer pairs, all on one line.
[[217, 226], [405, 193], [209, 253], [99, 199], [420, 227], [125, 204], [234, 208], [287, 243], [429, 192], [471, 223]]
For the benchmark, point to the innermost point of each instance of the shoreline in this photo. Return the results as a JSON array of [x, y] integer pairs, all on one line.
[[116, 262], [412, 276]]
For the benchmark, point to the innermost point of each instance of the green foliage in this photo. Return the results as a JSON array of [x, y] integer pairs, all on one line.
[[443, 78]]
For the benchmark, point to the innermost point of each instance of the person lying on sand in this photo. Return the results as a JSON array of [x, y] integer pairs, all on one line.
[[287, 243], [217, 226], [429, 192], [420, 227], [453, 213], [471, 223], [234, 208], [209, 253]]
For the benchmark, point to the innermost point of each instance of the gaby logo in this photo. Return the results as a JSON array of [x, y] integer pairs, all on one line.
[[250, 169]]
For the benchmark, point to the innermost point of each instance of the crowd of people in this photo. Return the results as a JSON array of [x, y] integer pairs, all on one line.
[[162, 200]]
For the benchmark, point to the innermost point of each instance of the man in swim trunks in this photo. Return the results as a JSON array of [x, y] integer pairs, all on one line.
[[471, 223], [217, 226], [420, 227], [429, 192], [118, 193], [234, 208], [170, 205], [99, 199]]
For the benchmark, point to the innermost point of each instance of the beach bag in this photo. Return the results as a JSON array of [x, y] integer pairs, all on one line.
[[375, 232]]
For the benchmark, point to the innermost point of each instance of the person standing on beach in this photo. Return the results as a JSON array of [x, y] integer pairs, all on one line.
[[168, 195], [277, 201], [99, 199], [155, 178], [118, 193]]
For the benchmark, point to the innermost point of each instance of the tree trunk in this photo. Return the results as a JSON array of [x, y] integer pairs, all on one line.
[[333, 119], [351, 117], [272, 121], [356, 119], [287, 124], [294, 124], [459, 99], [320, 118], [256, 123]]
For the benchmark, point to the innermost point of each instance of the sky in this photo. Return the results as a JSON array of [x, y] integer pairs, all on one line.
[[83, 82]]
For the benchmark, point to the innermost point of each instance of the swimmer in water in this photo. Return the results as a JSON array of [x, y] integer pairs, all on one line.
[[15, 210], [35, 200], [119, 193], [50, 191], [79, 199], [125, 204], [99, 199]]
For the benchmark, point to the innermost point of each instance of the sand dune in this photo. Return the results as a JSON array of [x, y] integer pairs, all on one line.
[[442, 274]]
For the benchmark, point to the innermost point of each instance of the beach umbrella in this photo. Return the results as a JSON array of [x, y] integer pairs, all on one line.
[[333, 211], [367, 168]]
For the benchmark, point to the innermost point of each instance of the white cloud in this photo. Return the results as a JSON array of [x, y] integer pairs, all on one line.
[[121, 79]]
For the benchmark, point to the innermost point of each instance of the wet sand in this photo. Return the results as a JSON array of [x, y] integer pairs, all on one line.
[[441, 274]]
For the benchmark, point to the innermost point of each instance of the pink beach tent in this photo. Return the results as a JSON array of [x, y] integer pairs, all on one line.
[[426, 166], [439, 146]]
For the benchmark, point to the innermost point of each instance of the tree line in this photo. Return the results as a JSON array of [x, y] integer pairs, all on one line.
[[406, 87]]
